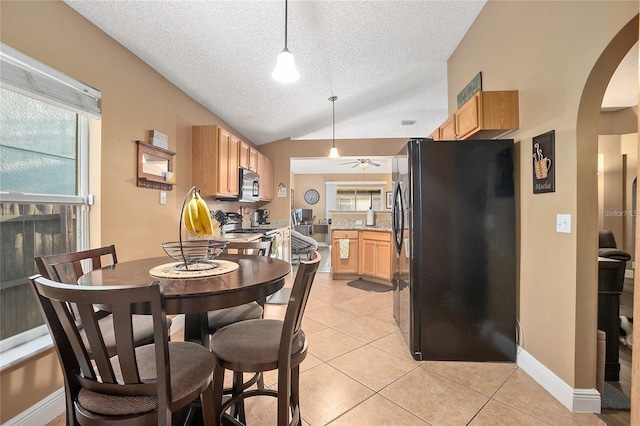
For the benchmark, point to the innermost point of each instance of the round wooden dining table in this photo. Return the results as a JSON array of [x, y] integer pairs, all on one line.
[[255, 278]]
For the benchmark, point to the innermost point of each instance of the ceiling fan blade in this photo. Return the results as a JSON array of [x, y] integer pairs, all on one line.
[[355, 165], [348, 162], [374, 164]]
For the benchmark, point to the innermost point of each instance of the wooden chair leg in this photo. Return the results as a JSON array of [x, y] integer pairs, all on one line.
[[284, 389], [208, 410], [295, 386], [70, 413], [218, 385], [237, 390], [260, 381]]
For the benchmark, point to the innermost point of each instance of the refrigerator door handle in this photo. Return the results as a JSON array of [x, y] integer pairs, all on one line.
[[397, 214]]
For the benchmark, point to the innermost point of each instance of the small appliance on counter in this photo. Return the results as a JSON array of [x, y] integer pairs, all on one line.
[[233, 225], [233, 221], [260, 217]]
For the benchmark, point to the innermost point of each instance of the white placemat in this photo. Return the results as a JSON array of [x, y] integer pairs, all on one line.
[[167, 270]]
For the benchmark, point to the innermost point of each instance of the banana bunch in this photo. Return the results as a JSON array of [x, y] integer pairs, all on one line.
[[196, 217]]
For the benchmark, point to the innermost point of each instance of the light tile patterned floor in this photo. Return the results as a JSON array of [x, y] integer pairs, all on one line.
[[359, 372]]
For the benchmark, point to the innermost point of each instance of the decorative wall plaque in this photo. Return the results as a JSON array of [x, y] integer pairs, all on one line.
[[474, 86], [544, 169]]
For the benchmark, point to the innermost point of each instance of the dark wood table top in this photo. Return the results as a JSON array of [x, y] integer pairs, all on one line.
[[256, 278]]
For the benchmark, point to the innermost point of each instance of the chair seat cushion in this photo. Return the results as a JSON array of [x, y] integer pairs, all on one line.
[[142, 332], [191, 367], [224, 317], [252, 345]]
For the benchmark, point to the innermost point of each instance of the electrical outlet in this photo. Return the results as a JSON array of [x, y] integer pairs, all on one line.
[[563, 223], [359, 222], [163, 197]]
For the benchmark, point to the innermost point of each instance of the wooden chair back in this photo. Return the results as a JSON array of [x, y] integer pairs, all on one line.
[[297, 304], [96, 370], [259, 248], [68, 267]]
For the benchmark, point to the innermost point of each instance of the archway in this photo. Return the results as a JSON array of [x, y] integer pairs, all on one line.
[[587, 130]]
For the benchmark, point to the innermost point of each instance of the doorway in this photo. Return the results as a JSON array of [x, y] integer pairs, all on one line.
[[592, 121]]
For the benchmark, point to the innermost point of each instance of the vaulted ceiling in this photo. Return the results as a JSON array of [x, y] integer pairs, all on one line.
[[386, 61]]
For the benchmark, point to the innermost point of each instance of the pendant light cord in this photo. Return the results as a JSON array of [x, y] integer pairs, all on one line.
[[285, 24], [334, 122], [333, 101]]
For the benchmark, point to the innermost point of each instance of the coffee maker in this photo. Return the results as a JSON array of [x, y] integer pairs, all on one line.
[[260, 217]]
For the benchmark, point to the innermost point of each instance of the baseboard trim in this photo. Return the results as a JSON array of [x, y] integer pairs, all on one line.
[[42, 412], [576, 400]]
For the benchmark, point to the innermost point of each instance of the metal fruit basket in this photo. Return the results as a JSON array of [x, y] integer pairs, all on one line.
[[193, 255]]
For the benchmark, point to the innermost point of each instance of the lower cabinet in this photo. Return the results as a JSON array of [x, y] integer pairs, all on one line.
[[375, 260], [368, 255], [347, 262]]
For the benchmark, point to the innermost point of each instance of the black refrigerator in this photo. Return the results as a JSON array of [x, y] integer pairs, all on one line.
[[454, 277]]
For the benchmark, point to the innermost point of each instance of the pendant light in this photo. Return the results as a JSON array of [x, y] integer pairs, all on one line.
[[334, 151], [285, 71]]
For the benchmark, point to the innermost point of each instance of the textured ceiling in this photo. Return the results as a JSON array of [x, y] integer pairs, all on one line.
[[384, 60]]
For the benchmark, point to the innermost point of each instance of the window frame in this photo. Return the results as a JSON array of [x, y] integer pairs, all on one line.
[[16, 349]]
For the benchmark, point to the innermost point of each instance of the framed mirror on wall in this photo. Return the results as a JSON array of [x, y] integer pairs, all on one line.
[[155, 167]]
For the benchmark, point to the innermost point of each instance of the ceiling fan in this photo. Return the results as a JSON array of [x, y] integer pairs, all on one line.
[[363, 163]]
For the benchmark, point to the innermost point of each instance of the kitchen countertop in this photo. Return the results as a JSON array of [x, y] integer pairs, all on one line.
[[361, 228], [380, 224], [243, 238]]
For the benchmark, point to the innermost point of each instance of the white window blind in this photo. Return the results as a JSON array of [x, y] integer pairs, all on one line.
[[29, 77]]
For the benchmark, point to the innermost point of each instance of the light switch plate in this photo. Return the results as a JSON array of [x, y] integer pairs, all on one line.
[[563, 223], [163, 197]]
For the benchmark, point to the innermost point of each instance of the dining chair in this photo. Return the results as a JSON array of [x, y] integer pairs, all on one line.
[[136, 385], [253, 310], [68, 267], [264, 345]]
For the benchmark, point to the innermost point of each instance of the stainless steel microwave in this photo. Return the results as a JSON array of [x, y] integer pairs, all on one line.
[[249, 186]]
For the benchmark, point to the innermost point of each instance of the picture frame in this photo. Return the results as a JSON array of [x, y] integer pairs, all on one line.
[[388, 200], [544, 163]]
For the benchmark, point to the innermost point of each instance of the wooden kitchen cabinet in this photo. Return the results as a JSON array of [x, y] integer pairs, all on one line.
[[448, 129], [350, 265], [215, 161], [375, 255], [248, 157], [265, 170], [488, 115]]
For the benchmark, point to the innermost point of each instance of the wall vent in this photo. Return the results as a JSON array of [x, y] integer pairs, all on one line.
[[408, 122]]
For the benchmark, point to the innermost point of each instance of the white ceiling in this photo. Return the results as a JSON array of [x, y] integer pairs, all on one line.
[[386, 61]]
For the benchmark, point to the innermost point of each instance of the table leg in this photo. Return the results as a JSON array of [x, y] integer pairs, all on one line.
[[194, 327]]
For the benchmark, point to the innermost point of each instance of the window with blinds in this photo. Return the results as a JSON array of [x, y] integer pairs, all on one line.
[[44, 140]]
